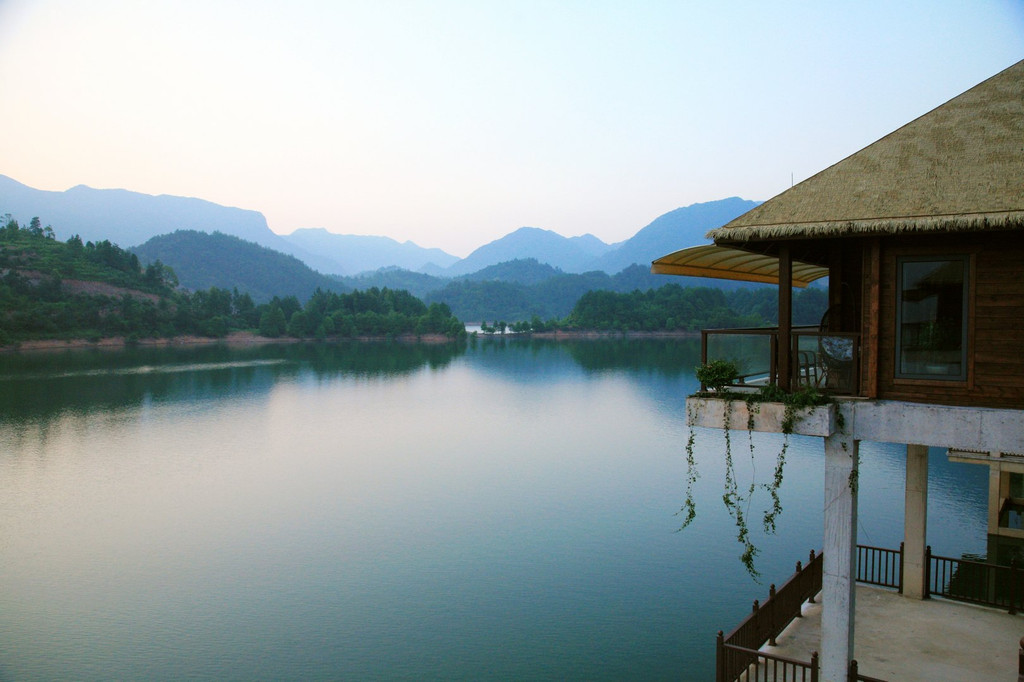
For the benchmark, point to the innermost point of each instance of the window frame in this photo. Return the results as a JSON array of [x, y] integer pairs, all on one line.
[[963, 378]]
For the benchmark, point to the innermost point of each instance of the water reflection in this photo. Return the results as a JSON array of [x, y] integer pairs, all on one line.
[[499, 510], [36, 386], [33, 385], [670, 357]]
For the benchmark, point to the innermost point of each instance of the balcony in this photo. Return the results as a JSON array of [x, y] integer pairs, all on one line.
[[899, 638], [827, 361]]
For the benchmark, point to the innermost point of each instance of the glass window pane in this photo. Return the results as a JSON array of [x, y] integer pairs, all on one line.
[[932, 320], [1016, 485]]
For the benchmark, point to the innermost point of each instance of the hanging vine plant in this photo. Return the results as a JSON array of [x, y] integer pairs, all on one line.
[[718, 376]]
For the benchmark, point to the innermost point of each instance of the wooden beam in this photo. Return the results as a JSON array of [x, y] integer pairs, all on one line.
[[785, 316], [872, 314], [835, 276]]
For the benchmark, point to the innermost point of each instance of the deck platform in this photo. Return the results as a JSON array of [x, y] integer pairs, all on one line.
[[907, 639]]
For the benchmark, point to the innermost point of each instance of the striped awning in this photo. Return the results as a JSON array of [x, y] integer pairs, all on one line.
[[723, 262]]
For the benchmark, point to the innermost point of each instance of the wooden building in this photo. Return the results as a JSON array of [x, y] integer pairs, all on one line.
[[921, 236]]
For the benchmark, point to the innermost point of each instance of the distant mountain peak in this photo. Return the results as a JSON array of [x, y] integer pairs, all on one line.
[[668, 232], [677, 229], [546, 246], [354, 254]]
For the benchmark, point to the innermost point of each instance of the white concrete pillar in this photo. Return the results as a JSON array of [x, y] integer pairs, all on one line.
[[995, 497], [915, 522], [840, 556]]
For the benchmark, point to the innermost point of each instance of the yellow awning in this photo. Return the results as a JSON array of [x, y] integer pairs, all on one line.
[[723, 262]]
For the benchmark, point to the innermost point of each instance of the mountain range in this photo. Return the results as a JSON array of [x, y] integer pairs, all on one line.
[[130, 219]]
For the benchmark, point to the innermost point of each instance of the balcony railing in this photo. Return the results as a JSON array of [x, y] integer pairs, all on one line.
[[880, 566], [977, 582], [739, 656], [828, 361]]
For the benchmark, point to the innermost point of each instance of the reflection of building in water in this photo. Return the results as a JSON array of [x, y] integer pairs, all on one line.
[[921, 236], [1005, 489]]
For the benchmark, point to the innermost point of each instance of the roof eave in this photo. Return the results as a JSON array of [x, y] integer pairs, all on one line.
[[974, 222]]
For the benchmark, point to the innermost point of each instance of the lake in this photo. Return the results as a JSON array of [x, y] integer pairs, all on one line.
[[505, 509]]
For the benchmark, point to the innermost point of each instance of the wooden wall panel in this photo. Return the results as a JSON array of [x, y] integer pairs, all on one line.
[[996, 319]]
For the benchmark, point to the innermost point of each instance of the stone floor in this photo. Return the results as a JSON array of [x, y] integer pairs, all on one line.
[[900, 639]]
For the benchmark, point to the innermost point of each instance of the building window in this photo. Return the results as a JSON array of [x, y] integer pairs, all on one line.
[[931, 335]]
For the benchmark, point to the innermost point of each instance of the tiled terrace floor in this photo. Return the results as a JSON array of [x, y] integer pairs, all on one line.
[[900, 639]]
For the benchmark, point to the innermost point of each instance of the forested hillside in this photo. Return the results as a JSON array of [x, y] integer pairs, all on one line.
[[375, 312], [521, 290], [53, 289], [511, 290], [204, 260], [675, 308], [73, 290], [553, 297]]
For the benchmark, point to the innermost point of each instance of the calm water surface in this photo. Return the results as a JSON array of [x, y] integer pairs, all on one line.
[[505, 510]]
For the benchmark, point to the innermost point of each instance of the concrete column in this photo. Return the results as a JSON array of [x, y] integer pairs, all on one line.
[[995, 497], [840, 556], [915, 522]]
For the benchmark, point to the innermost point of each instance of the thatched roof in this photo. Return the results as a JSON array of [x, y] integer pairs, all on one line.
[[958, 167]]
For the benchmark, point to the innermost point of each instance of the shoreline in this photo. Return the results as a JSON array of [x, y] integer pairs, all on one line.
[[242, 339], [581, 334], [248, 339]]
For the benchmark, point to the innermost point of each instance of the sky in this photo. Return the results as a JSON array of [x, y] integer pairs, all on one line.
[[454, 122]]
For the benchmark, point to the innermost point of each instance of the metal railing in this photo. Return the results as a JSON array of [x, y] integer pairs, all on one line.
[[853, 674], [880, 566], [737, 654], [764, 667], [828, 361], [975, 582]]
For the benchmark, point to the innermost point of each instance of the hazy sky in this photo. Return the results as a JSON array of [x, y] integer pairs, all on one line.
[[452, 123]]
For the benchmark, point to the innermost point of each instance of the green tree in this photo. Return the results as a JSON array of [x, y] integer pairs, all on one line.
[[272, 322], [298, 325]]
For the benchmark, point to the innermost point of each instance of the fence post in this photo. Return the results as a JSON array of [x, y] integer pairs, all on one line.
[[720, 657], [1013, 587], [900, 586], [773, 358], [928, 572], [852, 672], [809, 562], [704, 353], [772, 625], [814, 666]]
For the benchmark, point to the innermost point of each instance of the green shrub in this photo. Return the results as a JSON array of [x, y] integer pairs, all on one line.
[[717, 374]]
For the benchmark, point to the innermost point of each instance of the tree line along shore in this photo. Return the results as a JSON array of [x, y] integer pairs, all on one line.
[[75, 293]]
